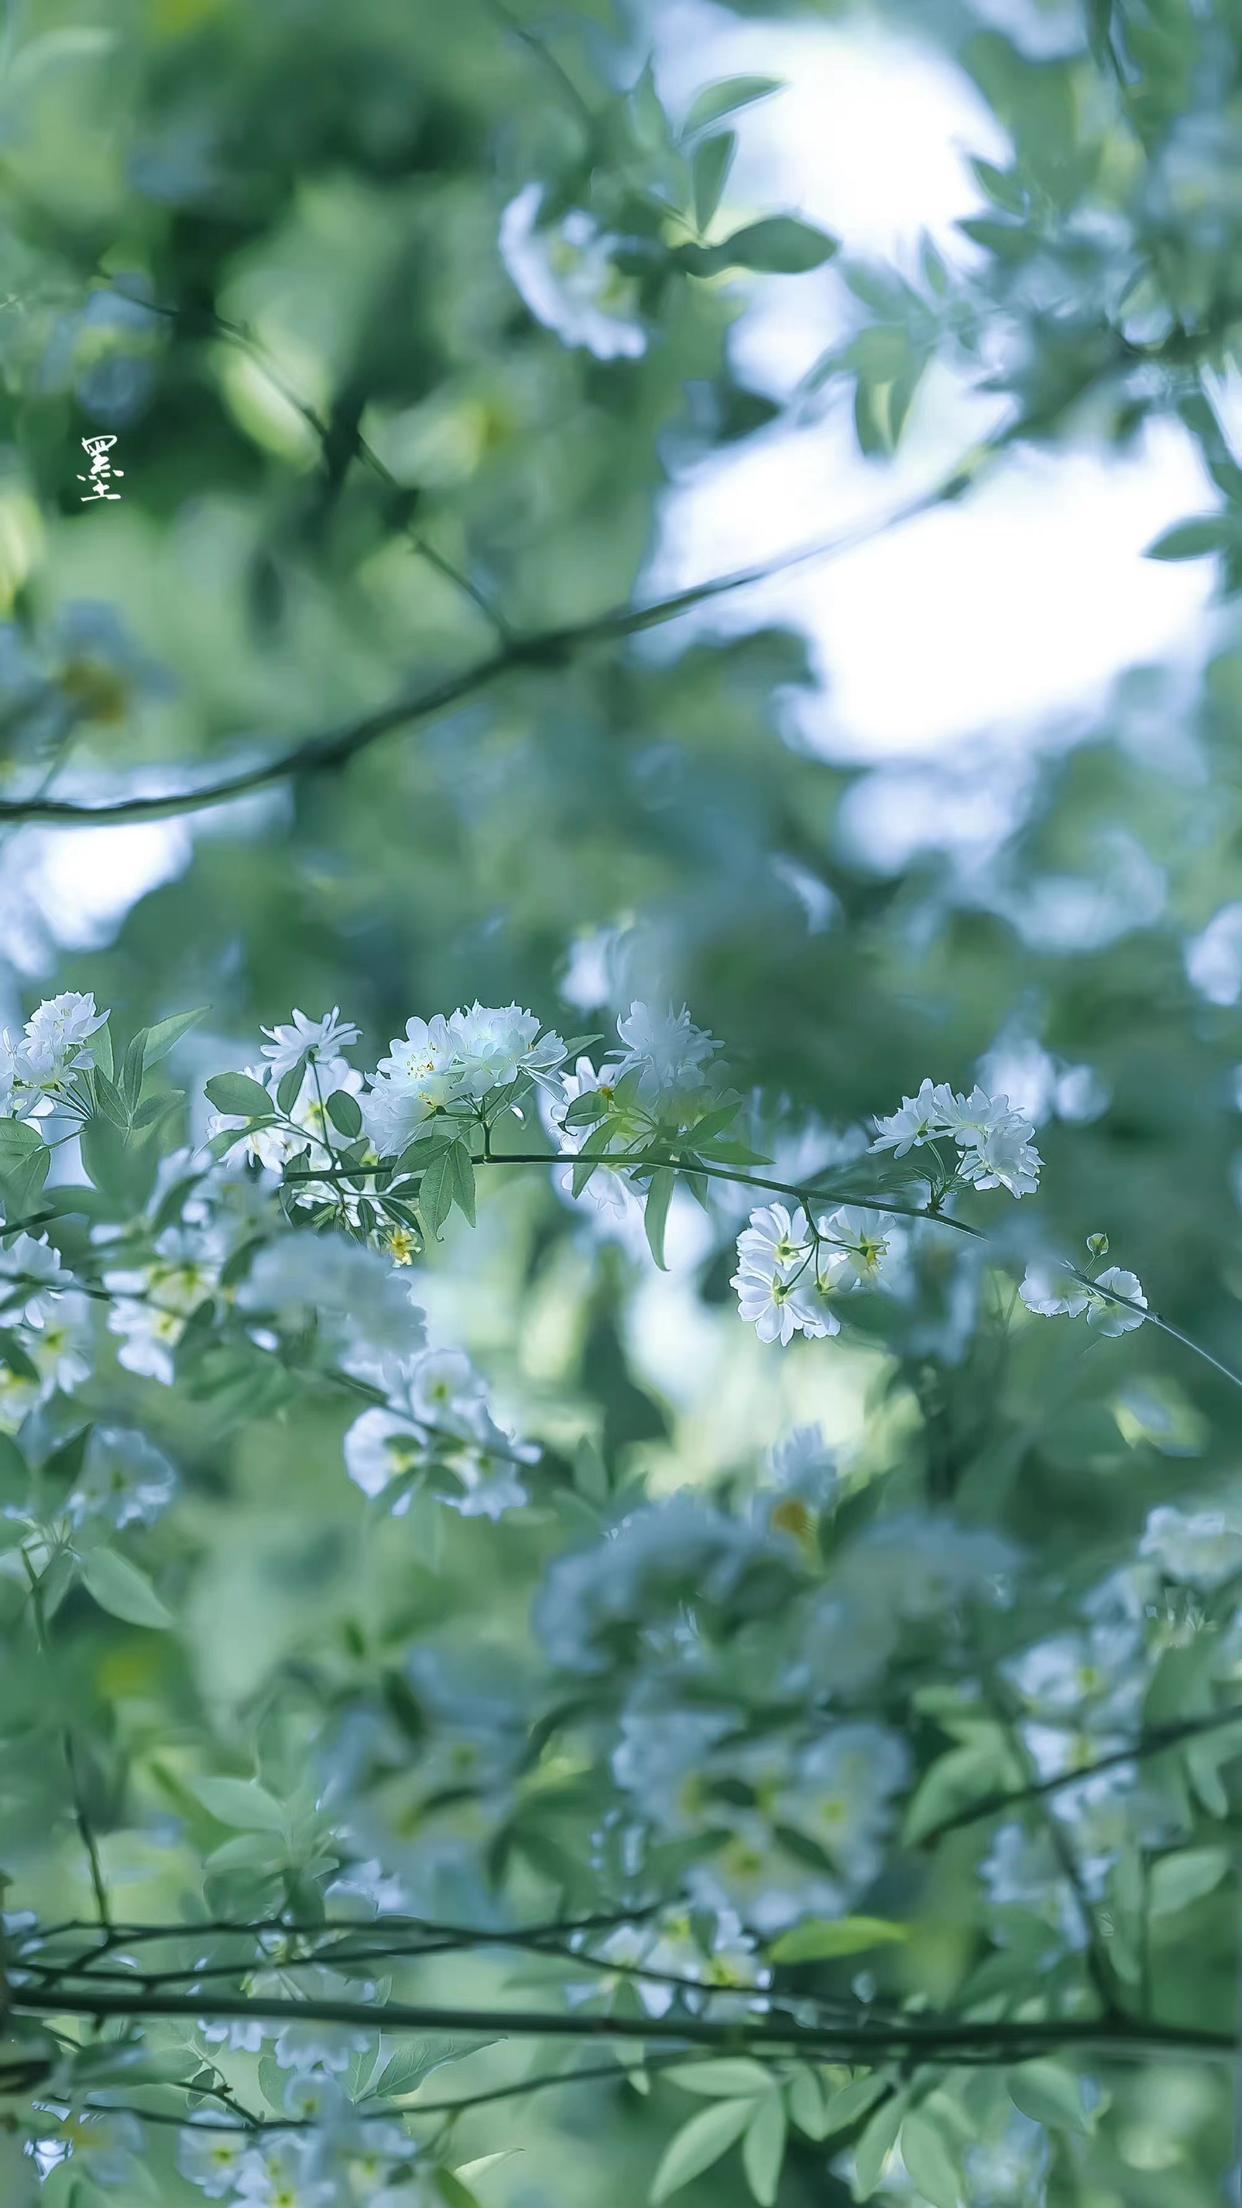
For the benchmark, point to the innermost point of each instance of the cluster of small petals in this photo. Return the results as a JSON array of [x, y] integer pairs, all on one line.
[[31, 1276], [1053, 1291], [664, 1048], [55, 1042], [455, 1061], [439, 1419], [567, 277], [857, 1246], [323, 1038], [995, 1141], [780, 1289]]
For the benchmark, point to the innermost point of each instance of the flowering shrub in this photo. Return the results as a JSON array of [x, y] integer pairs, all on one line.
[[741, 1685]]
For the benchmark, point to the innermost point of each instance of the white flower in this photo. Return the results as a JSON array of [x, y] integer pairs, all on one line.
[[379, 1447], [1201, 1547], [126, 1479], [919, 1119], [765, 1301], [325, 1038], [565, 274], [31, 1271], [57, 1038], [211, 2159], [859, 1242], [1052, 1291], [421, 1075], [774, 1240], [665, 1049], [1003, 1156], [607, 1189], [497, 1043], [1108, 1317], [995, 1140], [444, 1388]]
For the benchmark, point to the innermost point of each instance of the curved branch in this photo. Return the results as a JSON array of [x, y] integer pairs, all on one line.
[[333, 748], [949, 2039]]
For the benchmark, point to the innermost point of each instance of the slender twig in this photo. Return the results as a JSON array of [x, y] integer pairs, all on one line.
[[947, 2037], [1153, 1743], [332, 748], [69, 1751]]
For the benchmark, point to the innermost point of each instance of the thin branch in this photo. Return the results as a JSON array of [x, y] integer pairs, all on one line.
[[332, 748], [949, 2038], [77, 1793], [1153, 1743]]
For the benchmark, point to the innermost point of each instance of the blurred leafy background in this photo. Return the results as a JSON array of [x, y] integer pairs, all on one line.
[[262, 247]]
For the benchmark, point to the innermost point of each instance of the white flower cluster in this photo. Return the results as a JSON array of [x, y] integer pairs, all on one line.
[[442, 1063], [438, 1420], [567, 277], [789, 1269], [54, 1043], [994, 1141], [1114, 1302]]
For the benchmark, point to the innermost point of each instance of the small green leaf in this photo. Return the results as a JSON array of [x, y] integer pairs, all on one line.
[[435, 1195], [929, 2164], [289, 1087], [725, 97], [851, 2101], [165, 1035], [712, 162], [698, 2144], [344, 1113], [779, 246], [238, 1095], [240, 1802], [763, 2149], [461, 1169], [122, 1589], [728, 2079], [655, 1211], [875, 2145], [1048, 2094], [1192, 540], [1177, 1880], [820, 1938]]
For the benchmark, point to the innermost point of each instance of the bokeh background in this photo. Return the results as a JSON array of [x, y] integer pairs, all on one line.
[[962, 800]]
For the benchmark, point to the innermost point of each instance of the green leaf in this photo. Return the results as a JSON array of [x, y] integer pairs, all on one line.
[[122, 1170], [1192, 540], [157, 1041], [806, 2101], [461, 1169], [725, 97], [435, 1195], [780, 245], [101, 1049], [820, 1938], [655, 1211], [763, 2149], [929, 2163], [851, 2101], [240, 1802], [1177, 1880], [728, 2079], [289, 1086], [712, 162], [122, 1589], [24, 1162], [344, 1113], [698, 2144], [875, 2146], [1049, 2094], [238, 1095], [452, 2191]]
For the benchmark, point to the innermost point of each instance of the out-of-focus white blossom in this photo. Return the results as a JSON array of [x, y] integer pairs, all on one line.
[[567, 277], [326, 1037]]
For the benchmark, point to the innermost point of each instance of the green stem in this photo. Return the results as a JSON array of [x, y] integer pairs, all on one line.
[[946, 2039]]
